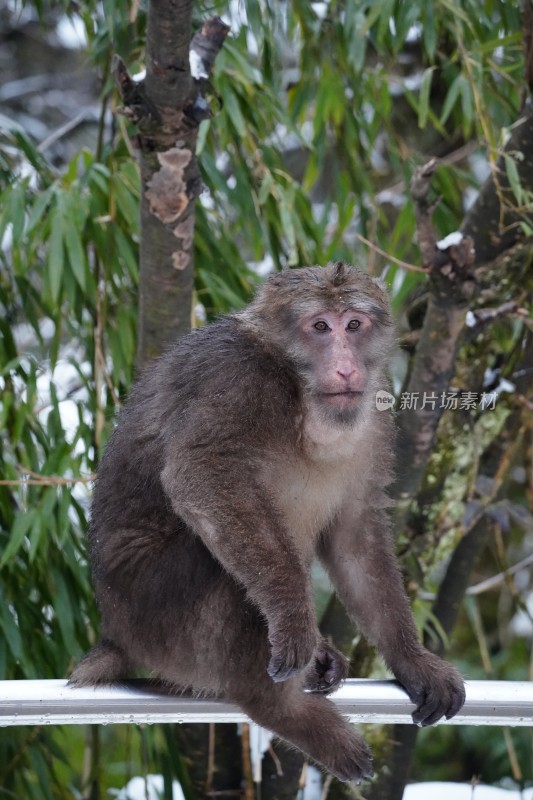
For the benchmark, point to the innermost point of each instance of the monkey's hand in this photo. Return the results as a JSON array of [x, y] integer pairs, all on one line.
[[293, 646], [327, 670], [436, 688]]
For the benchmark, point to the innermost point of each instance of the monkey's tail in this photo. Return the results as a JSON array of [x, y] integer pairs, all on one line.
[[105, 663]]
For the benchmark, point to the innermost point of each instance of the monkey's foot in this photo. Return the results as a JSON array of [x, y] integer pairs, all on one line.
[[292, 651], [353, 760], [328, 671]]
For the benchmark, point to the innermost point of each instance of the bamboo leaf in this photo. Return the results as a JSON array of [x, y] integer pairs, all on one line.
[[266, 186], [73, 243], [39, 207], [513, 178], [423, 98], [234, 112], [21, 527], [55, 253], [17, 209], [429, 28], [65, 613], [10, 629], [451, 98]]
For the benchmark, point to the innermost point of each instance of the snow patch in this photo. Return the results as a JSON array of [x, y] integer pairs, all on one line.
[[197, 65], [454, 238], [149, 788], [71, 33]]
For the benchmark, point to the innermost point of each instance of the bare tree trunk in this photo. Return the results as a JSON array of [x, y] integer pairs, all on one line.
[[167, 107]]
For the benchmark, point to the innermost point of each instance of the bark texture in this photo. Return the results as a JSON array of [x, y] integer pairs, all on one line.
[[167, 107]]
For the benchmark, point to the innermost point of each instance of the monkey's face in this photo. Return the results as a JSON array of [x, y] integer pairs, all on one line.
[[336, 351]]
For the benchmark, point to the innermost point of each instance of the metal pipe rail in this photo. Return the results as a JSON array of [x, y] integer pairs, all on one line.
[[53, 702]]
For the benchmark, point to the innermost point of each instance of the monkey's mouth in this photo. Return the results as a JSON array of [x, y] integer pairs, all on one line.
[[341, 396]]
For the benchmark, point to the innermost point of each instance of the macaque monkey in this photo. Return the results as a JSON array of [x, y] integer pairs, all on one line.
[[250, 448]]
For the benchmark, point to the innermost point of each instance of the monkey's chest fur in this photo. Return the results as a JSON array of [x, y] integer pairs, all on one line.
[[312, 488], [308, 498]]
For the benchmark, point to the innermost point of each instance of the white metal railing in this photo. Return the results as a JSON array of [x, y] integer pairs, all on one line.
[[53, 702]]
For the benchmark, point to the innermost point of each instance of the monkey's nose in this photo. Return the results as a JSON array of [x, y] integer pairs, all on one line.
[[345, 371]]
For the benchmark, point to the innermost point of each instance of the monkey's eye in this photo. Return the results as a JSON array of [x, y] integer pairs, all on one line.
[[353, 325], [321, 325]]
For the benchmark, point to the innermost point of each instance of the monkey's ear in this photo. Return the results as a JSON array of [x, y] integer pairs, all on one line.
[[381, 283], [339, 273], [288, 277]]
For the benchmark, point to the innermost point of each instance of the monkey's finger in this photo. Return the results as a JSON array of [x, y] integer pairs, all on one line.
[[329, 676], [432, 709], [432, 718], [458, 699], [435, 705], [426, 708]]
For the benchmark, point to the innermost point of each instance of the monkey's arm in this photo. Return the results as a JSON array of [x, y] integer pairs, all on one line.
[[359, 555], [222, 502]]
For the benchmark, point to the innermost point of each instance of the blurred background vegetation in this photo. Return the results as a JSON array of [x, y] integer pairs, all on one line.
[[322, 112]]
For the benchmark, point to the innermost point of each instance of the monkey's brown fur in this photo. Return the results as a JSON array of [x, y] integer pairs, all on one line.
[[251, 447]]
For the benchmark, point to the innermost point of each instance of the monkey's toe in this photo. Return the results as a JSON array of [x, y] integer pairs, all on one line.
[[355, 763], [327, 671]]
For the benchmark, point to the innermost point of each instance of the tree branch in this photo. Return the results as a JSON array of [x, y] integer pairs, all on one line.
[[452, 286]]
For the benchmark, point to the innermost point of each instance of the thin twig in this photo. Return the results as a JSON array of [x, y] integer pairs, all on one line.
[[69, 126], [497, 580], [388, 256], [477, 623], [247, 771], [303, 778], [210, 760], [325, 788], [277, 762], [35, 479]]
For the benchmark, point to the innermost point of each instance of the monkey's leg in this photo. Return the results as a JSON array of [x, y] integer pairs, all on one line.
[[311, 723], [359, 556], [245, 533]]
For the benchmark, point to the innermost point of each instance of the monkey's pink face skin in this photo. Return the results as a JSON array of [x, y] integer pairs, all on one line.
[[334, 347]]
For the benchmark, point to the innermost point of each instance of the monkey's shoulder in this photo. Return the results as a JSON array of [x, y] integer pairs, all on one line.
[[216, 383], [226, 360]]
